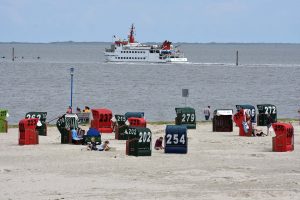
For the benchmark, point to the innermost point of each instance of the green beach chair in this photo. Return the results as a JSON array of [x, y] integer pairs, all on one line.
[[263, 111], [42, 130], [63, 124], [3, 121], [186, 116]]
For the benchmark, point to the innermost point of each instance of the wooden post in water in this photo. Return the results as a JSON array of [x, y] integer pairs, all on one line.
[[237, 58], [13, 54]]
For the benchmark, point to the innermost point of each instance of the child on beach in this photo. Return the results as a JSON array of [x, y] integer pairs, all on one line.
[[158, 144], [104, 146]]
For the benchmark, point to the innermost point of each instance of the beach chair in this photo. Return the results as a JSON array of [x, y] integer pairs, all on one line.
[[137, 122], [134, 114], [64, 123], [186, 116], [240, 122], [176, 140], [3, 121], [119, 127], [102, 120], [263, 111], [42, 130], [248, 109], [284, 139], [83, 117], [27, 131], [139, 141], [222, 120]]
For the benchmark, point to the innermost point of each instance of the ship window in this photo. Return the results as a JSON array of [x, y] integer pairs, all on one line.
[[151, 51], [126, 57], [157, 51]]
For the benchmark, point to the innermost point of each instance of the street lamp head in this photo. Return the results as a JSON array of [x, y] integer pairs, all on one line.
[[72, 70]]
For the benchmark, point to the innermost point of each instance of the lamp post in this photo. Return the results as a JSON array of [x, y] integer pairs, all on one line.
[[71, 73]]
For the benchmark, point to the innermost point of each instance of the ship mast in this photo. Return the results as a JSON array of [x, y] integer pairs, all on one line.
[[131, 34]]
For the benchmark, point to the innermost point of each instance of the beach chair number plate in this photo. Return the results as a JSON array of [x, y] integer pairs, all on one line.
[[188, 117], [33, 116], [270, 110], [250, 112], [173, 139], [145, 137]]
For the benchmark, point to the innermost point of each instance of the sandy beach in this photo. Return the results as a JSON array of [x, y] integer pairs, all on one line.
[[217, 166]]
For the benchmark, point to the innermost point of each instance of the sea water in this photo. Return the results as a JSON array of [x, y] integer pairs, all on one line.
[[39, 79]]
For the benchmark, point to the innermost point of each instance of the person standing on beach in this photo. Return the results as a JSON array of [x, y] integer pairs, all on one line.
[[207, 113], [269, 123]]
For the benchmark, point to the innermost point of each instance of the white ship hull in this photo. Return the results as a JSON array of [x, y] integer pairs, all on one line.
[[137, 54], [131, 51]]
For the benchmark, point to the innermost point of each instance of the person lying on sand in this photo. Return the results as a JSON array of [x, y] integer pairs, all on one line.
[[256, 131], [104, 146]]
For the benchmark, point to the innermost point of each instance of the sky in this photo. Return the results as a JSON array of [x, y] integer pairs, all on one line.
[[202, 21]]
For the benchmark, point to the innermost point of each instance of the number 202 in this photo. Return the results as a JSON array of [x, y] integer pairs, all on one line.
[[145, 137]]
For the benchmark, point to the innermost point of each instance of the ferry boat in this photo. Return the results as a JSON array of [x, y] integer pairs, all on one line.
[[133, 51]]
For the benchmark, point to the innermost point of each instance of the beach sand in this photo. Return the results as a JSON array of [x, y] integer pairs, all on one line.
[[217, 166]]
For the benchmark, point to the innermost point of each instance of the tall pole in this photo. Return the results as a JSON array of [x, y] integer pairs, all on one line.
[[237, 58], [13, 54], [72, 73]]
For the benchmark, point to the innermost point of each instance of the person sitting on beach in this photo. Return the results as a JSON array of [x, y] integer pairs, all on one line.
[[86, 109], [75, 137], [104, 146], [256, 131], [158, 144], [69, 110], [78, 110]]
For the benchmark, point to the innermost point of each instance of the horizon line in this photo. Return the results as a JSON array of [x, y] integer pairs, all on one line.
[[70, 41]]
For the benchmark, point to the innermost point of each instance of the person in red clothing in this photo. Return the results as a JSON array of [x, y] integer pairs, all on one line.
[[158, 144]]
